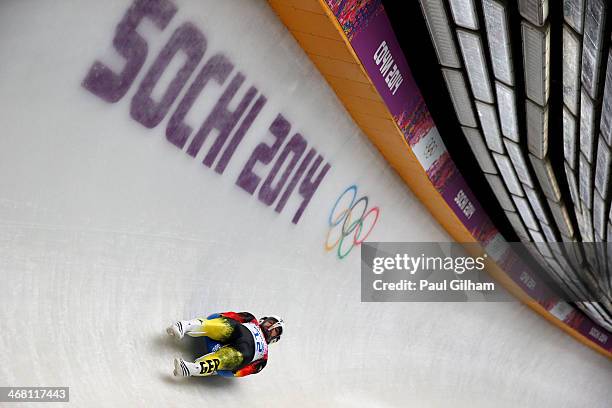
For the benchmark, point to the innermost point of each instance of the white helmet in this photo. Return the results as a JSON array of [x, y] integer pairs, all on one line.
[[277, 323]]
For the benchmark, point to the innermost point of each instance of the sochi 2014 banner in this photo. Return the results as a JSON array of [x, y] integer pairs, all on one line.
[[368, 29]]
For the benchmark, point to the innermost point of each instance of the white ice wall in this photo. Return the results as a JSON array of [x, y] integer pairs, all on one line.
[[108, 232]]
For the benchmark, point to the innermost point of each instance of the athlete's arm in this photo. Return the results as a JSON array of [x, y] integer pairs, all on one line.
[[242, 317], [253, 368]]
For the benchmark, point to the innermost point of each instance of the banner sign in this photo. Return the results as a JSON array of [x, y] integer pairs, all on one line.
[[369, 31]]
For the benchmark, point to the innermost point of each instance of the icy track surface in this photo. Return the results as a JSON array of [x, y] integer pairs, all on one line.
[[109, 232]]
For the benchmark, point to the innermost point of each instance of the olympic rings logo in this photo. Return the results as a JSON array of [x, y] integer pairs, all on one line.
[[343, 223]]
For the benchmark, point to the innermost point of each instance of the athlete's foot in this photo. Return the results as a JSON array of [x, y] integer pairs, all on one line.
[[176, 330], [180, 369]]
